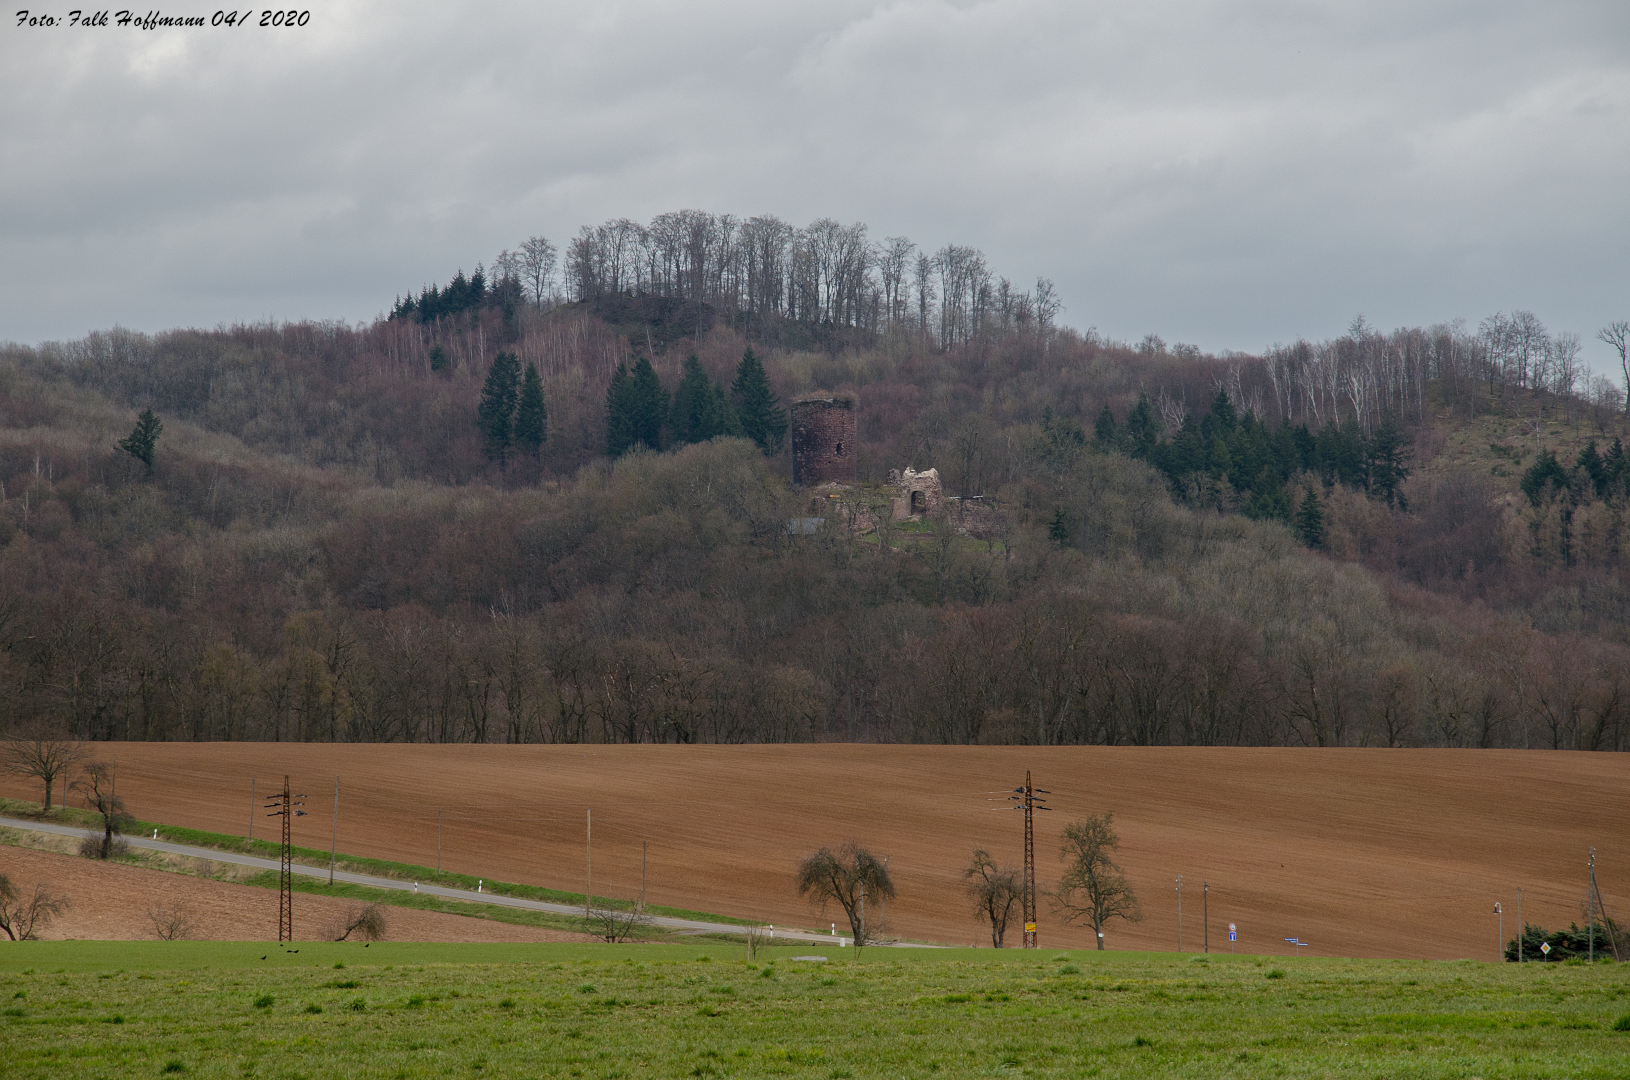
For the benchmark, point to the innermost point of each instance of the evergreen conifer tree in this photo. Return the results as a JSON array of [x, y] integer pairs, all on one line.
[[1387, 463], [620, 413], [496, 413], [142, 441], [1058, 530], [762, 418], [1310, 521], [1105, 433], [701, 411], [648, 405], [1142, 428], [532, 416]]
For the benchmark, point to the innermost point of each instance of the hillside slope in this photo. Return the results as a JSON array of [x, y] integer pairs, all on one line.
[[321, 551]]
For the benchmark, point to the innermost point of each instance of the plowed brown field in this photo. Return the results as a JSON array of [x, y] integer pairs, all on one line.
[[1360, 852]]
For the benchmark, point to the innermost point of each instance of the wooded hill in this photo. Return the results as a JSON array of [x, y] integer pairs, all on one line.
[[1381, 539]]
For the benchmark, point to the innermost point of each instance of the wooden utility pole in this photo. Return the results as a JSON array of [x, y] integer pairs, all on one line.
[[334, 841]]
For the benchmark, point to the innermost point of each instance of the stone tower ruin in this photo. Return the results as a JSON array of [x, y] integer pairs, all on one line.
[[823, 441]]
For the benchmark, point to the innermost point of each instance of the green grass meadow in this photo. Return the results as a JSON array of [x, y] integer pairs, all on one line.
[[135, 1009]]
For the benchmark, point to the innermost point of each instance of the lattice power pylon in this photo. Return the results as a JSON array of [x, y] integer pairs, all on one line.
[[1028, 799], [286, 806]]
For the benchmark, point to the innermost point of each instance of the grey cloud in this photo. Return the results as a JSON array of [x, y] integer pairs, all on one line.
[[1227, 173]]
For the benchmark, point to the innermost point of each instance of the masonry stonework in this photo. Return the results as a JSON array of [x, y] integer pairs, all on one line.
[[823, 441], [916, 494]]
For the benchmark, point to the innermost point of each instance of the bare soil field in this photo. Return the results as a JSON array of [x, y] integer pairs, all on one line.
[[1381, 853], [111, 902]]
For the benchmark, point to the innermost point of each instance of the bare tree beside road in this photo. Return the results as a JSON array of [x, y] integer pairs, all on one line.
[[1093, 887], [851, 875], [99, 788], [994, 892]]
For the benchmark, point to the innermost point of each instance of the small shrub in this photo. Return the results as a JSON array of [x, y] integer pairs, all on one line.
[[586, 988], [265, 1001], [175, 1065], [507, 1003], [1276, 974], [114, 1019], [707, 1010], [416, 1001], [314, 1008], [1622, 1023], [358, 1005], [1143, 1041], [1069, 969]]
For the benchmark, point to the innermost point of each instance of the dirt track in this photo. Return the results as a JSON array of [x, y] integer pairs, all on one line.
[[111, 903], [1361, 852]]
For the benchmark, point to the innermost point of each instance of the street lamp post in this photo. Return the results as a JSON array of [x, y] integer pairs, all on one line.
[[1498, 911]]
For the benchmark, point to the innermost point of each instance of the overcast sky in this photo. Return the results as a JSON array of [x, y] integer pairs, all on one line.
[[1227, 173]]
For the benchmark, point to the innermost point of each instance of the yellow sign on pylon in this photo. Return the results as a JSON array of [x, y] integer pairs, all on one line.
[[1030, 928]]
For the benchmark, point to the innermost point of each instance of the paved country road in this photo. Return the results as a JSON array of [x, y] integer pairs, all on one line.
[[684, 926]]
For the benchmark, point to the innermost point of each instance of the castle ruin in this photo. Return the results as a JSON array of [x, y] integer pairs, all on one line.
[[916, 494], [823, 441]]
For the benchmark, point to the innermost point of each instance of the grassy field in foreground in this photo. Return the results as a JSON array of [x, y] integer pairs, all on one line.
[[93, 1009]]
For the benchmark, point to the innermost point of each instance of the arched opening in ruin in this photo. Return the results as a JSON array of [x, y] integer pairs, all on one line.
[[839, 450], [918, 502]]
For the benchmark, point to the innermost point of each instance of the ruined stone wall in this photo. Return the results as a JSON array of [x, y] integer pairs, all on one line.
[[916, 494], [823, 441]]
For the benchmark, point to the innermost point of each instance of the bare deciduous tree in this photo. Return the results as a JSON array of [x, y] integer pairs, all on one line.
[[1617, 334], [757, 937], [42, 753], [849, 875], [174, 921], [1093, 887], [616, 920], [366, 921], [22, 919], [994, 892], [537, 268], [98, 787]]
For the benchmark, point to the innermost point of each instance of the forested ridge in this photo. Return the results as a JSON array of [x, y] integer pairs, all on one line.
[[1385, 538]]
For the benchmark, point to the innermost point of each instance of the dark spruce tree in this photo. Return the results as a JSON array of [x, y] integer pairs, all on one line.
[[1058, 530], [620, 413], [1310, 521], [141, 442], [1387, 463], [496, 413], [1106, 434], [649, 405], [701, 411], [532, 416], [762, 418], [1142, 428]]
